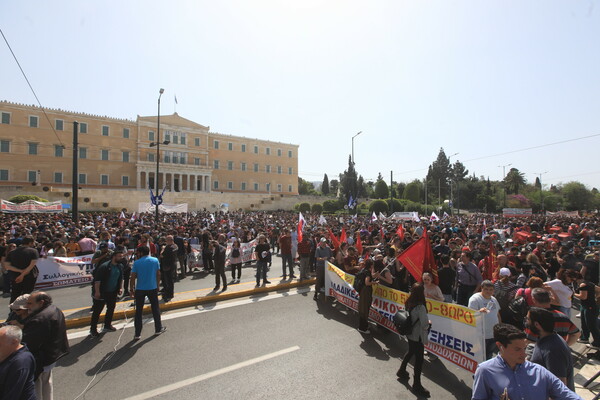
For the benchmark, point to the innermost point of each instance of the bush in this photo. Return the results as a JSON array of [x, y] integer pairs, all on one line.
[[378, 206], [317, 208], [24, 197], [304, 207], [297, 207], [397, 206], [363, 206], [331, 205]]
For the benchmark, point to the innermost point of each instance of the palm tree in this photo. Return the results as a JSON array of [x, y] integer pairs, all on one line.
[[514, 180]]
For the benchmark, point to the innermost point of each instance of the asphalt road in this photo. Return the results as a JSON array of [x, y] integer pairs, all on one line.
[[275, 346]]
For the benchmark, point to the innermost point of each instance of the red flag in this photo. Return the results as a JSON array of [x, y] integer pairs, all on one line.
[[382, 235], [359, 246], [493, 262], [343, 237], [400, 231], [300, 227], [418, 258], [334, 239]]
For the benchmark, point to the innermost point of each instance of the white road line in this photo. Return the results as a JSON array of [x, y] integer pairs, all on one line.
[[203, 377], [200, 309]]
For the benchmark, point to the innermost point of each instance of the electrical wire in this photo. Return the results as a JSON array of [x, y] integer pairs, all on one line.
[[31, 87]]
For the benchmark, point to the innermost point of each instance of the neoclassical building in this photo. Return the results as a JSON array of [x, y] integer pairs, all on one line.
[[36, 147]]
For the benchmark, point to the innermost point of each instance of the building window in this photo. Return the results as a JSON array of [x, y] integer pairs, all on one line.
[[230, 146], [230, 165], [125, 156], [32, 148], [58, 150], [230, 185], [290, 170], [82, 179], [196, 161], [104, 130], [243, 186], [256, 187], [243, 166], [4, 146], [33, 121], [278, 152], [58, 177], [175, 158], [197, 141], [279, 169], [182, 138], [126, 133], [175, 139], [255, 149], [279, 189], [5, 119], [125, 180], [216, 144], [216, 164], [82, 152], [243, 148], [104, 179], [268, 151], [59, 124], [167, 157], [289, 153], [268, 169], [150, 156], [104, 155], [31, 176], [255, 167], [151, 136], [290, 188], [3, 174], [216, 185], [82, 127]]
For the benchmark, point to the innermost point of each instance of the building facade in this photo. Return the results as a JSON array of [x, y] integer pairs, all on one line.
[[36, 148]]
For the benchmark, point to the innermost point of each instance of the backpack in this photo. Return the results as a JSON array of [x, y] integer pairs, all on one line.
[[403, 322], [517, 309], [235, 253], [359, 279]]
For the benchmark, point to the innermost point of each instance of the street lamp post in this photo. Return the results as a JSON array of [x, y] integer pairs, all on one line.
[[541, 189], [451, 180], [503, 178], [353, 146], [160, 92]]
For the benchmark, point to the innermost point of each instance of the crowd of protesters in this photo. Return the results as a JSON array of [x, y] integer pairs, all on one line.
[[502, 267]]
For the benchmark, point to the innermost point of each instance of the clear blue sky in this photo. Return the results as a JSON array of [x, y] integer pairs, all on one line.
[[479, 78]]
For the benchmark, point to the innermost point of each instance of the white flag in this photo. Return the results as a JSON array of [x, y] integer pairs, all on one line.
[[381, 216], [433, 217], [445, 215], [373, 217], [122, 215], [322, 220]]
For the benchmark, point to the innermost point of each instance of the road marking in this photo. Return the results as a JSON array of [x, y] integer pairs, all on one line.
[[202, 308], [203, 377]]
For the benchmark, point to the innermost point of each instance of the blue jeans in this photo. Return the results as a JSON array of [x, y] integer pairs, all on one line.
[[140, 297], [565, 310], [261, 271], [287, 259]]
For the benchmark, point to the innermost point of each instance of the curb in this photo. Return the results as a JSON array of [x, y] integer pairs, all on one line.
[[173, 305]]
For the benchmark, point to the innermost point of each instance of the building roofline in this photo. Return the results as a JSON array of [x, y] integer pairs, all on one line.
[[60, 110]]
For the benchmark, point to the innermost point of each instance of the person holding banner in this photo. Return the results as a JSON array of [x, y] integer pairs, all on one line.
[[365, 297], [20, 264], [417, 339], [468, 278]]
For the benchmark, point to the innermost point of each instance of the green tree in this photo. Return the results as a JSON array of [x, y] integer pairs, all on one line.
[[317, 208], [349, 181], [381, 189], [378, 206], [325, 185], [304, 207], [24, 197], [412, 191], [333, 186], [513, 181], [438, 176], [577, 196], [362, 188], [305, 187], [400, 190]]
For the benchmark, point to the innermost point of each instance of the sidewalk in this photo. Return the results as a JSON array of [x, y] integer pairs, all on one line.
[[81, 317]]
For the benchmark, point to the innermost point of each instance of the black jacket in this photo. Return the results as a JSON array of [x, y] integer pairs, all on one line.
[[45, 334]]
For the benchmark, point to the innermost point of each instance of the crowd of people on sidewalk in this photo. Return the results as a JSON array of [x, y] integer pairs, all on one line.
[[515, 271]]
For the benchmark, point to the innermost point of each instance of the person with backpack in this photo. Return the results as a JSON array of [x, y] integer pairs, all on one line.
[[365, 279], [504, 292], [235, 260], [417, 338]]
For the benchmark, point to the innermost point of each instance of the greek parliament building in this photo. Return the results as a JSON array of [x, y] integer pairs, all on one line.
[[36, 148]]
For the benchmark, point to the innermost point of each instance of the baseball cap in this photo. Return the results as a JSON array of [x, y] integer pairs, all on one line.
[[103, 245], [20, 303], [504, 272]]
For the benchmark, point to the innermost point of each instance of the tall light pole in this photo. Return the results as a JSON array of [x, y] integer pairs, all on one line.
[[160, 92], [541, 189], [503, 178], [353, 146], [451, 199]]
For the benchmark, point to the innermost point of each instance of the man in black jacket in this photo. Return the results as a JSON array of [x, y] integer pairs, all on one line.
[[107, 285], [220, 259], [45, 334]]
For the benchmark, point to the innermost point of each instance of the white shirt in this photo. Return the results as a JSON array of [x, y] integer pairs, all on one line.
[[562, 291], [490, 318]]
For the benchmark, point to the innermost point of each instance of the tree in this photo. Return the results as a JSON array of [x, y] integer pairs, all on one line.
[[305, 187], [349, 181], [412, 191], [381, 189], [362, 188], [458, 172], [400, 190], [325, 185], [438, 175], [514, 180], [333, 186], [577, 196]]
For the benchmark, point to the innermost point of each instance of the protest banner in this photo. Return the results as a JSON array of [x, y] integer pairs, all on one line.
[[163, 208], [517, 212], [64, 271], [456, 334], [246, 251], [30, 206]]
